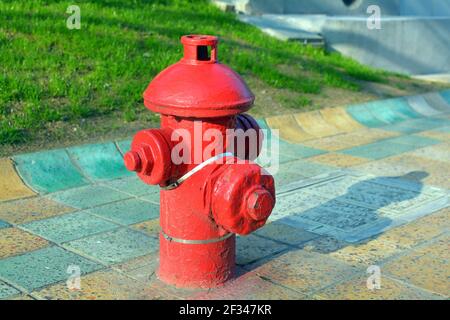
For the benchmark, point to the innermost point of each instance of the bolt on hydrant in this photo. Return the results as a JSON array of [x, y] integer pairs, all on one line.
[[201, 157]]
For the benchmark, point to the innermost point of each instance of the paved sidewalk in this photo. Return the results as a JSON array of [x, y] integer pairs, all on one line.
[[357, 187]]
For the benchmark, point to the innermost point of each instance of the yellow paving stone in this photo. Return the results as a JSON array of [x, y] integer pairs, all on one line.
[[150, 227], [11, 186], [440, 248], [356, 289], [440, 152], [338, 160], [339, 118], [436, 135], [324, 245], [313, 123], [366, 254], [349, 140], [289, 129], [103, 285], [249, 287], [372, 134], [422, 270], [14, 241], [304, 271], [438, 171], [141, 268], [333, 143], [31, 209], [419, 231]]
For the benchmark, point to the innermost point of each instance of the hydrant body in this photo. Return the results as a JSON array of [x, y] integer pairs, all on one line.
[[202, 159]]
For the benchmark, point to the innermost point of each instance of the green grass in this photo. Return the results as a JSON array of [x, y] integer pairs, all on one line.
[[50, 73]]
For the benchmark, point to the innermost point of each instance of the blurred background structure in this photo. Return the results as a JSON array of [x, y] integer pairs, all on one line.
[[412, 39]]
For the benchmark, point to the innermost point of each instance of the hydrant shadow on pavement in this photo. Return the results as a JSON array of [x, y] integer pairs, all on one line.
[[348, 220]]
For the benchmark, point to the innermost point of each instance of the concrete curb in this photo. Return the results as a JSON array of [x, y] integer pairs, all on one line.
[[49, 171]]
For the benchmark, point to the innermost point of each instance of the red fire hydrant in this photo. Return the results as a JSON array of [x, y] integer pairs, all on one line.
[[209, 191]]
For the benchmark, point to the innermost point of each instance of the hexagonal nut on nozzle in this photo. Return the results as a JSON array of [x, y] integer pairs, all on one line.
[[259, 203], [132, 161]]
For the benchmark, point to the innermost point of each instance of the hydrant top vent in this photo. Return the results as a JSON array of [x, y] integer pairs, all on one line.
[[198, 85]]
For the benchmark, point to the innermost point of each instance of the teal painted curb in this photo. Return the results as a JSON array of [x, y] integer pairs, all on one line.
[[49, 171], [99, 161]]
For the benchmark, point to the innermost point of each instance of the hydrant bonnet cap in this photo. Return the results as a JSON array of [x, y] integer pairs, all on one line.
[[198, 85]]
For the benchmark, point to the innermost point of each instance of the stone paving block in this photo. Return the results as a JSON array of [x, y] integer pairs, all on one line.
[[363, 115], [31, 209], [302, 271], [405, 164], [115, 246], [313, 123], [378, 150], [284, 176], [49, 171], [356, 207], [43, 267], [69, 227], [131, 185], [6, 291], [4, 224], [352, 139], [102, 285], [419, 231], [289, 129], [324, 245], [339, 118], [440, 152], [11, 186], [285, 234], [339, 160], [142, 268], [366, 254], [440, 133], [420, 105], [332, 143], [152, 196], [296, 170], [251, 248], [150, 227], [297, 151], [88, 196], [437, 248], [422, 270], [295, 202], [414, 140], [14, 241], [127, 212], [356, 289], [249, 287], [171, 292], [100, 161], [307, 168], [124, 145]]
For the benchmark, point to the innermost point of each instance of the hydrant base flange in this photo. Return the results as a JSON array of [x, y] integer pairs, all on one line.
[[196, 265]]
